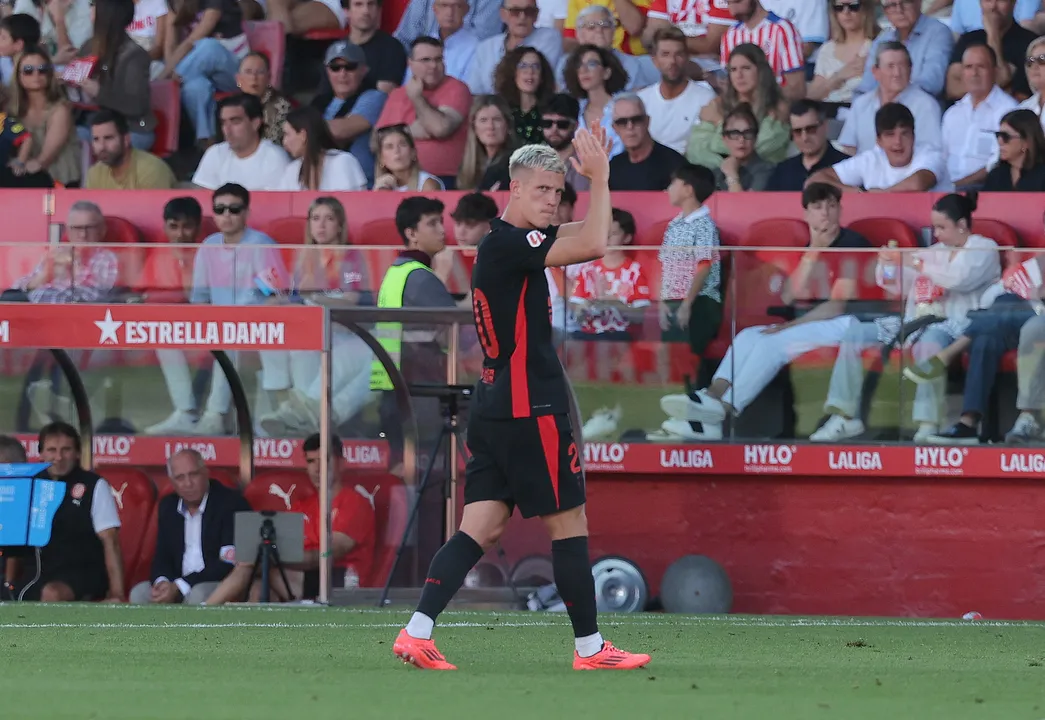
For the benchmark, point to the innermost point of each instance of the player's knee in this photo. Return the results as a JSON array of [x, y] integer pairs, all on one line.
[[567, 524], [56, 592]]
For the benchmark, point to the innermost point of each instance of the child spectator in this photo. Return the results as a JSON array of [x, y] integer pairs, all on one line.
[[471, 218], [17, 32], [397, 166]]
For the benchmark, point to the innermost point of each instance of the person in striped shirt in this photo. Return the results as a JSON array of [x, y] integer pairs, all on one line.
[[778, 38]]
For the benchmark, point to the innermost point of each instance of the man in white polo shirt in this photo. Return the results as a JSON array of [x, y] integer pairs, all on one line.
[[895, 164], [969, 125], [245, 158], [674, 104], [892, 71]]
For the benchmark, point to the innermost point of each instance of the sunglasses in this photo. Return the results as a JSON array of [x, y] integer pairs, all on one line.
[[530, 12], [853, 7], [230, 209], [739, 134], [632, 120], [35, 69], [806, 130], [559, 124], [1035, 60], [1005, 137], [342, 67]]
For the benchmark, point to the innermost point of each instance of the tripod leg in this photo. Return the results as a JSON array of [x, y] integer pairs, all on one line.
[[265, 572], [258, 560], [414, 512], [282, 573]]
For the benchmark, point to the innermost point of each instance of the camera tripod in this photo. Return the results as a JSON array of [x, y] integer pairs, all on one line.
[[451, 398], [267, 558]]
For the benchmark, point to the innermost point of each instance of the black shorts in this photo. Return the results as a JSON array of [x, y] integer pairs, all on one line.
[[86, 583], [532, 463]]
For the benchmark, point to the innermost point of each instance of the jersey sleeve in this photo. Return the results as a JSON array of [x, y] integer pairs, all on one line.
[[718, 13], [104, 515], [790, 55], [353, 516], [525, 249]]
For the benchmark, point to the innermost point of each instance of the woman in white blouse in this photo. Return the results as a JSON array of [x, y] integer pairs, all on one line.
[[946, 280], [840, 64], [317, 164], [397, 167]]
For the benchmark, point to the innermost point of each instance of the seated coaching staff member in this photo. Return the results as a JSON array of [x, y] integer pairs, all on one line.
[[82, 561], [194, 536]]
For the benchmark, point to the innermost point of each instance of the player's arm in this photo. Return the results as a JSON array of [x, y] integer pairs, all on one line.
[[587, 240], [340, 545]]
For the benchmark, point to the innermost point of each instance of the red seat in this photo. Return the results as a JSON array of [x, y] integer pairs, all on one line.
[[288, 231], [1006, 237], [165, 100], [881, 230], [135, 497], [391, 508], [757, 276], [327, 34], [379, 232], [268, 38], [277, 490]]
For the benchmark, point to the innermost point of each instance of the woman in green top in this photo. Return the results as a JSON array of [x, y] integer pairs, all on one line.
[[750, 80]]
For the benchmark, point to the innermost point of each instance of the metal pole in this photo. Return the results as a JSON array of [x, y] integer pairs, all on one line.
[[324, 483]]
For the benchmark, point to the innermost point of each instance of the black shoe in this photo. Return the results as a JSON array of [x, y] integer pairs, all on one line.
[[957, 434]]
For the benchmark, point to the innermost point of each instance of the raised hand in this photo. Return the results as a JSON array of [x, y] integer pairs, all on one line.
[[591, 156]]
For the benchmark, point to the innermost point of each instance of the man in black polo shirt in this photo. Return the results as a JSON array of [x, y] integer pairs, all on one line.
[[82, 561], [809, 131], [645, 164], [1007, 38]]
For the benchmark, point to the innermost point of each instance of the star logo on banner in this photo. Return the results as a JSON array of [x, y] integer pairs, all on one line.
[[108, 326]]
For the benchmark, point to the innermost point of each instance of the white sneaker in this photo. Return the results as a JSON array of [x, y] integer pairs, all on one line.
[[210, 424], [838, 428], [925, 431], [48, 405], [602, 424], [692, 431], [697, 407], [293, 418], [1025, 430], [179, 423]]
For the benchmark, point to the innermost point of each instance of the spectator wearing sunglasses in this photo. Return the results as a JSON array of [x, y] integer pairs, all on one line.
[[1021, 149], [434, 107], [809, 134], [235, 266], [39, 101], [519, 16], [742, 169], [1000, 31], [645, 164], [349, 109], [928, 42], [840, 62], [245, 158]]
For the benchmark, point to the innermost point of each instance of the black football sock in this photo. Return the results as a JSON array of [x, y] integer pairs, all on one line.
[[576, 586], [447, 572]]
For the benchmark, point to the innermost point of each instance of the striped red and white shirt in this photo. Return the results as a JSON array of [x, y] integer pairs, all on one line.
[[778, 38], [692, 17]]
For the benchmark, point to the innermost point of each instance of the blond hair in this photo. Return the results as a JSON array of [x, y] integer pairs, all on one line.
[[536, 157]]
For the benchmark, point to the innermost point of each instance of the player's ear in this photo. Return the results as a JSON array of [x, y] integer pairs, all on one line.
[[515, 187]]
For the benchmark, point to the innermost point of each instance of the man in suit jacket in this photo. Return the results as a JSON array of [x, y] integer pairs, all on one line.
[[194, 535]]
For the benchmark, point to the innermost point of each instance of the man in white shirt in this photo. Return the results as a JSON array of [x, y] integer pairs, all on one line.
[[809, 17], [894, 164], [892, 72], [969, 125], [673, 105], [519, 16], [195, 541], [595, 26], [244, 158]]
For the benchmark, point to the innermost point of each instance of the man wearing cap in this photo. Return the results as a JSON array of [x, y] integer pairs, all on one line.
[[349, 110], [434, 107]]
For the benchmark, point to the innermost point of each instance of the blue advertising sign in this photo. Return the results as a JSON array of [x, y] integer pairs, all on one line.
[[27, 504]]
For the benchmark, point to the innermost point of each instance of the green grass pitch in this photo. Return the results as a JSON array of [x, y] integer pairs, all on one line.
[[93, 661]]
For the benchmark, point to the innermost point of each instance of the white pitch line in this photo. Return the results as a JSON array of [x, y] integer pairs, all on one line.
[[610, 622]]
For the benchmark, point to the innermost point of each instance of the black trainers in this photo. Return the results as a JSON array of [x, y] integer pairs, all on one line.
[[957, 434]]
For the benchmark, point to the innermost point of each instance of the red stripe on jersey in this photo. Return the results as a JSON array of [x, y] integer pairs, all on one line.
[[550, 442], [778, 38], [520, 383]]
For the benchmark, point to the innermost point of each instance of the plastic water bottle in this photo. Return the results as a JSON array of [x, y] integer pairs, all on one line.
[[351, 578], [889, 270]]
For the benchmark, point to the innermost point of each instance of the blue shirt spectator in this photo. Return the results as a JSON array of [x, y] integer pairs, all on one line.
[[967, 16], [490, 51], [367, 105], [929, 44], [483, 17], [235, 274], [458, 54]]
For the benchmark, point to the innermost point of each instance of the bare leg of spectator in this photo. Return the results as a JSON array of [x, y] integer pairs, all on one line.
[[1030, 399], [299, 18], [234, 587], [56, 591]]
